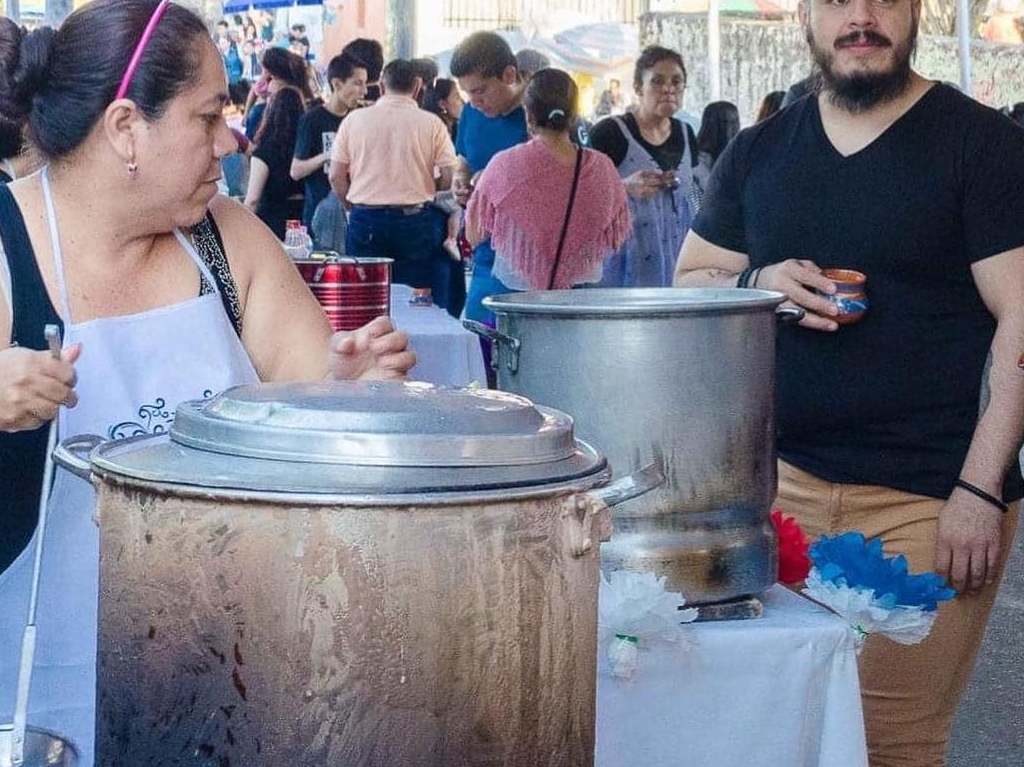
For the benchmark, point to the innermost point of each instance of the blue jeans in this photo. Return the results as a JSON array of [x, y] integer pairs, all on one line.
[[409, 239]]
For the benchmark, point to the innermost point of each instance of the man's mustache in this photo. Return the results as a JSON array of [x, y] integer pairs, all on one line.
[[860, 38]]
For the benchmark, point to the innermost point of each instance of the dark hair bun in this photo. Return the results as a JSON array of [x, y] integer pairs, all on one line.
[[550, 99], [10, 55], [33, 70]]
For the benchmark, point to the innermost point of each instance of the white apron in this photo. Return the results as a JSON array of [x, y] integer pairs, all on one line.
[[132, 373]]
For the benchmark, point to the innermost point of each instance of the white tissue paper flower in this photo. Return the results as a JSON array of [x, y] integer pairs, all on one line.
[[635, 609], [865, 615]]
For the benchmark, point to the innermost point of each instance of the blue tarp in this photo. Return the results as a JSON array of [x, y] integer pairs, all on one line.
[[237, 6]]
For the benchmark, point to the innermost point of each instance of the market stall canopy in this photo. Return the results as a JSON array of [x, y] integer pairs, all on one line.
[[765, 9], [235, 6]]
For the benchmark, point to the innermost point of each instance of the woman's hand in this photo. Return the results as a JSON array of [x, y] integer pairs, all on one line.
[[373, 352], [33, 386], [644, 184], [798, 279]]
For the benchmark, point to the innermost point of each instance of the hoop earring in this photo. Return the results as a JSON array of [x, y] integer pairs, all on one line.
[[133, 170]]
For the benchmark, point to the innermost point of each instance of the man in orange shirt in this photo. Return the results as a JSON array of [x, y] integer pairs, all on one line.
[[387, 163]]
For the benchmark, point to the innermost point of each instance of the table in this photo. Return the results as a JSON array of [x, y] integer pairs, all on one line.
[[446, 352], [779, 691]]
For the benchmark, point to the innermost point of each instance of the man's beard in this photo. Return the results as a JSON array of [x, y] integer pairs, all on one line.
[[860, 91]]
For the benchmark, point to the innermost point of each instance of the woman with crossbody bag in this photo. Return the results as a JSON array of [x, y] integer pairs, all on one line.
[[553, 212]]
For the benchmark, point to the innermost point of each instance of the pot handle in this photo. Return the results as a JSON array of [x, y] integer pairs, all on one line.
[[72, 454], [787, 315], [626, 488], [497, 338]]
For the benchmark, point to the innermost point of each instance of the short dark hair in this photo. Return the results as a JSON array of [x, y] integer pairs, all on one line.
[[343, 67], [399, 76], [550, 99], [482, 53], [650, 57], [426, 70], [370, 52], [61, 81], [530, 61]]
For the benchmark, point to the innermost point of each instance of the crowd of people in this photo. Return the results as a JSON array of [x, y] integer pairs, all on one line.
[[291, 165], [867, 165]]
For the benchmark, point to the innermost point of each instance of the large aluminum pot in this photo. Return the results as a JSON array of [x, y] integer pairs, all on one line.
[[683, 378], [368, 575]]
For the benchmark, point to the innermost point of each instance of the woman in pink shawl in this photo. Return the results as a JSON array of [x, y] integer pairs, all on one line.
[[553, 212]]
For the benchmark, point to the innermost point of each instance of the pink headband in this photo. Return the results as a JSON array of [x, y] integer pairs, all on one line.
[[147, 35]]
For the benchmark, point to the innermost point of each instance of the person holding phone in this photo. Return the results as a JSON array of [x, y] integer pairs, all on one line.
[[655, 155]]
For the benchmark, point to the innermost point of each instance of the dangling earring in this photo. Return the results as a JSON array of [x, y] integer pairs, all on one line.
[[133, 170]]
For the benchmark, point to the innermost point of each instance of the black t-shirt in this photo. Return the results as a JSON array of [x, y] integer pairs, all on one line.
[[607, 137], [316, 125], [274, 207], [892, 400]]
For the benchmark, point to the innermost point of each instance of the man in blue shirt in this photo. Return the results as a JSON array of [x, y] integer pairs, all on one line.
[[493, 120]]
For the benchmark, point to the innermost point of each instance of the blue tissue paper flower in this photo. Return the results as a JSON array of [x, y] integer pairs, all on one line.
[[851, 560]]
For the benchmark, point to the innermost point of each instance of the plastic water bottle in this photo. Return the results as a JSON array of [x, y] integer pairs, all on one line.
[[297, 242]]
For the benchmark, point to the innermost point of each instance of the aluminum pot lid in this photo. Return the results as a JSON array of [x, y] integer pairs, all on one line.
[[357, 438], [629, 302]]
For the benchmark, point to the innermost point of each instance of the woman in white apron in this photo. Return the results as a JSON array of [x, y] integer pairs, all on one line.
[[146, 320]]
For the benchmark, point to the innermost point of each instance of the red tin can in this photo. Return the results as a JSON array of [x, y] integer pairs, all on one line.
[[351, 291]]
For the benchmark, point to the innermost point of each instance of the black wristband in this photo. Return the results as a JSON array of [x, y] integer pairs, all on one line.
[[977, 491], [744, 279], [755, 276]]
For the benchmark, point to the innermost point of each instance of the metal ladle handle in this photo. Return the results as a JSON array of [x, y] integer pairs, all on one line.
[[28, 638]]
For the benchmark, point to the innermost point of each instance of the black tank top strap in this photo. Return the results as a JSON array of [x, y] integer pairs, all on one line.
[[210, 246], [30, 303], [23, 453]]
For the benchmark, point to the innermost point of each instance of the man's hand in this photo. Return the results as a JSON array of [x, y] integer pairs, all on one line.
[[373, 352], [644, 184], [33, 386], [969, 541], [798, 279]]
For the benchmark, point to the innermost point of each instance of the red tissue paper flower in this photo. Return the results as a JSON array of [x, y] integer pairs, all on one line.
[[794, 564]]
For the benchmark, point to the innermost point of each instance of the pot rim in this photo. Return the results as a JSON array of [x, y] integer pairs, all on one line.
[[601, 476], [635, 302]]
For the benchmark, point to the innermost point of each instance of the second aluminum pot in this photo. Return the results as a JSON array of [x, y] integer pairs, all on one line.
[[683, 378]]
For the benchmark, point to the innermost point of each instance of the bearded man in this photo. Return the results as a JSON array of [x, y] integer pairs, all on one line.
[[882, 425]]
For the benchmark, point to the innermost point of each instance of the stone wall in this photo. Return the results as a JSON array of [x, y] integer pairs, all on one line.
[[762, 56]]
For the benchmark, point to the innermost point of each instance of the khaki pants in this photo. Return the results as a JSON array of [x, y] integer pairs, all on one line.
[[910, 693]]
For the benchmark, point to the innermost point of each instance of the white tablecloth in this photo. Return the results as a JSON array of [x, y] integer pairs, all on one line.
[[779, 691], [446, 352]]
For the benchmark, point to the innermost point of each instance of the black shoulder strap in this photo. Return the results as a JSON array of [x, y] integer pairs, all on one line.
[[30, 303], [568, 215], [210, 246]]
